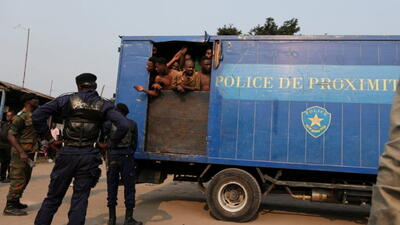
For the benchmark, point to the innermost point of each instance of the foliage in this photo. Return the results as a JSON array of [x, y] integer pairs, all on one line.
[[289, 27], [228, 30]]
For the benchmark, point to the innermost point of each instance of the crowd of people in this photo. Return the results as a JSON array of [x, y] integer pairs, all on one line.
[[92, 125], [178, 74]]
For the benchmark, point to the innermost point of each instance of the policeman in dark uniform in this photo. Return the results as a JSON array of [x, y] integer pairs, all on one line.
[[83, 114], [121, 162]]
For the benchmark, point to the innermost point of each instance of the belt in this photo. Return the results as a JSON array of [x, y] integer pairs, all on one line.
[[119, 147], [79, 145]]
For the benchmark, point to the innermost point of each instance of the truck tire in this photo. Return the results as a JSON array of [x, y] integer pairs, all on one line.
[[233, 195]]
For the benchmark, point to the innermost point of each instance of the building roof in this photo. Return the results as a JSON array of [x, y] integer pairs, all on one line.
[[8, 86]]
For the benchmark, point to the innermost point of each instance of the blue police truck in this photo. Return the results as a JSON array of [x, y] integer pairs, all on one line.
[[302, 115]]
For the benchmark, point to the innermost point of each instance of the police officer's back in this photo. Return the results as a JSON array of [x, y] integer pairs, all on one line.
[[83, 114]]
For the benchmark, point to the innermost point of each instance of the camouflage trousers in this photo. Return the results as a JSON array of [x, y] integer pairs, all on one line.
[[20, 174], [385, 208]]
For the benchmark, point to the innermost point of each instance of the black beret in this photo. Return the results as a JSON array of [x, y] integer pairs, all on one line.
[[121, 107], [85, 79], [28, 96]]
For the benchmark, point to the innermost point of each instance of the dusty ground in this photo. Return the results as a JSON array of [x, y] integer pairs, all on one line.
[[178, 204]]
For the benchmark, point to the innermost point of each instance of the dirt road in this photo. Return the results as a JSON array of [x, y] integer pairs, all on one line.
[[178, 204]]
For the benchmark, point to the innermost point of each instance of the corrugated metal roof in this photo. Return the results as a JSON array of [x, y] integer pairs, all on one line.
[[8, 86]]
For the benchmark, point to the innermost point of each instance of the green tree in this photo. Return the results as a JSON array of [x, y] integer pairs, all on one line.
[[289, 27], [228, 30]]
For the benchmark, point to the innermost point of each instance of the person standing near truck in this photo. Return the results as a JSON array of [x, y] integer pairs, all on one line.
[[5, 148], [24, 141], [121, 162], [385, 209], [83, 114]]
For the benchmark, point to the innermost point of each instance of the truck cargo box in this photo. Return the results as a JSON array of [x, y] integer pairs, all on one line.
[[299, 102]]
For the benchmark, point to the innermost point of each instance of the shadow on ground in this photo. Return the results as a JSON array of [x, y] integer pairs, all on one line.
[[282, 204], [148, 205]]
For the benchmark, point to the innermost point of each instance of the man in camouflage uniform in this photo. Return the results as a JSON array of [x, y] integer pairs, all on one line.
[[5, 148], [24, 141], [385, 208]]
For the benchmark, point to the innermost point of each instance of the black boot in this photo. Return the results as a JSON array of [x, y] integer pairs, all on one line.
[[20, 205], [129, 218], [12, 210], [111, 216]]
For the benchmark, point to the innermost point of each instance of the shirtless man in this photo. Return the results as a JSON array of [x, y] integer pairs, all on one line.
[[208, 53], [205, 73], [188, 80], [151, 68], [163, 80], [176, 66], [177, 57], [155, 51]]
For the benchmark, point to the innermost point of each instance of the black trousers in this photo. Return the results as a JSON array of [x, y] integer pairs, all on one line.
[[5, 158], [85, 171], [121, 165]]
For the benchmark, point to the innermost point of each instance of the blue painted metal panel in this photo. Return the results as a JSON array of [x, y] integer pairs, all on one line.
[[369, 134], [246, 123], [384, 114], [335, 38], [263, 130], [165, 38], [280, 131], [351, 134], [297, 135], [228, 129], [266, 76], [132, 71], [262, 86], [333, 145]]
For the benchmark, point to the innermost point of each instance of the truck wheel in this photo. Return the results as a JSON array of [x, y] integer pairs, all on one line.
[[233, 195]]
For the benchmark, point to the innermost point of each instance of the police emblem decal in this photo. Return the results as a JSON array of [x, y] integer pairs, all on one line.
[[316, 120]]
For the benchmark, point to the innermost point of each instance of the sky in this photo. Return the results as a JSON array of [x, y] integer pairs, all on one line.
[[69, 37]]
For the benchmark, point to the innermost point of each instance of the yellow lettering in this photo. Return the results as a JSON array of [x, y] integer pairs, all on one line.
[[384, 84], [361, 84], [394, 82], [297, 82], [267, 82], [325, 83], [335, 81], [281, 82], [311, 83], [350, 84], [239, 84], [255, 79], [229, 84], [373, 84], [219, 79]]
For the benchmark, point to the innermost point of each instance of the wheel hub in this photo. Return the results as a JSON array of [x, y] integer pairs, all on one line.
[[232, 196]]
